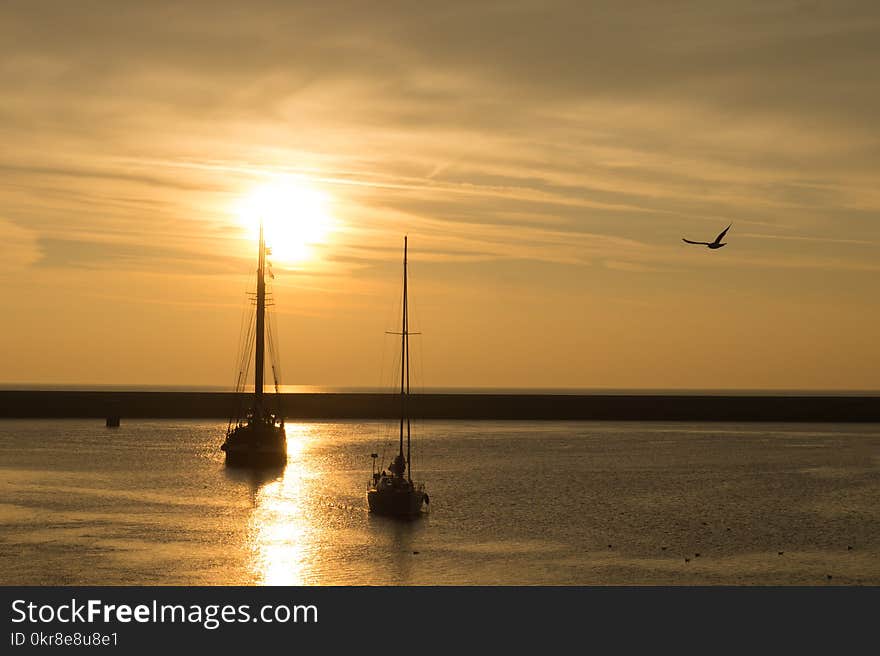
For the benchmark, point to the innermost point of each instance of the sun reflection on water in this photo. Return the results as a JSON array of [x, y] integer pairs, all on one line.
[[281, 533]]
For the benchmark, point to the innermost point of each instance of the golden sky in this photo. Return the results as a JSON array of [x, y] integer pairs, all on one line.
[[545, 159]]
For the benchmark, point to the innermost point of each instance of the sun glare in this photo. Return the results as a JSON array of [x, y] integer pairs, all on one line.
[[295, 215]]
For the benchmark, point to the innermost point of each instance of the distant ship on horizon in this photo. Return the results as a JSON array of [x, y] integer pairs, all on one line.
[[395, 494], [255, 436]]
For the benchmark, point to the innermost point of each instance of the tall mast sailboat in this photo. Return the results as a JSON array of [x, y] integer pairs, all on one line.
[[395, 494], [256, 437]]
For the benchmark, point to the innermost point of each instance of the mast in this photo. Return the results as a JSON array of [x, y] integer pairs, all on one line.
[[261, 327], [404, 352], [406, 339]]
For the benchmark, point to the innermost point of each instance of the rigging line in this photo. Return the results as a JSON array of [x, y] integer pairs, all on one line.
[[382, 379], [386, 376], [244, 305], [249, 348], [420, 367], [246, 327], [243, 332], [277, 355], [244, 362], [239, 389], [249, 352], [276, 346], [270, 346], [243, 370], [242, 353], [241, 337], [414, 310], [235, 409], [274, 362], [244, 314], [416, 354], [387, 382], [239, 382]]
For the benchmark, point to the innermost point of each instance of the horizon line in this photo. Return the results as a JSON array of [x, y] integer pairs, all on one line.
[[459, 389]]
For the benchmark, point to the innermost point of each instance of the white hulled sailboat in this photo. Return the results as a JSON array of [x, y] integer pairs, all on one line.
[[395, 494]]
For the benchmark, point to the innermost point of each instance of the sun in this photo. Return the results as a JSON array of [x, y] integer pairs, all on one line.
[[295, 215]]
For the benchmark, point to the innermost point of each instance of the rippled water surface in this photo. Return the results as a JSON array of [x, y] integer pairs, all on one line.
[[511, 503]]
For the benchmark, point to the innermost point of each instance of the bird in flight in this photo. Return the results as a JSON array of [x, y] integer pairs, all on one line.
[[713, 245]]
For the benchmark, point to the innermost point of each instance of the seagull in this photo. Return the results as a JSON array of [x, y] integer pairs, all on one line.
[[713, 245]]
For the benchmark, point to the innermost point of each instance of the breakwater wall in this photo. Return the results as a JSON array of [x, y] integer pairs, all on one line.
[[642, 407]]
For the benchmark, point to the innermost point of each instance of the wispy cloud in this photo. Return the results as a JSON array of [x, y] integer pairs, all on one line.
[[820, 240], [551, 145], [20, 247]]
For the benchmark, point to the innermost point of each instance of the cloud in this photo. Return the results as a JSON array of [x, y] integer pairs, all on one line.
[[121, 256], [620, 265], [545, 158], [820, 240], [20, 247], [538, 128]]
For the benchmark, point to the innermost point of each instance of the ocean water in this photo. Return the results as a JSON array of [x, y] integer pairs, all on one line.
[[511, 503]]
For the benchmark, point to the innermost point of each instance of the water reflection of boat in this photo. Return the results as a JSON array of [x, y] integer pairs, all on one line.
[[284, 524], [255, 436], [254, 478], [400, 543], [395, 494]]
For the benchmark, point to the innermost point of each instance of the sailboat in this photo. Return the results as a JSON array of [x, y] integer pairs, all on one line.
[[395, 494], [256, 437]]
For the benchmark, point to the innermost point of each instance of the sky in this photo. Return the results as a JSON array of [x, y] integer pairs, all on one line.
[[544, 158]]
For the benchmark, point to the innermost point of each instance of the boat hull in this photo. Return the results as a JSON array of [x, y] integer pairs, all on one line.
[[265, 447], [396, 503], [254, 458]]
